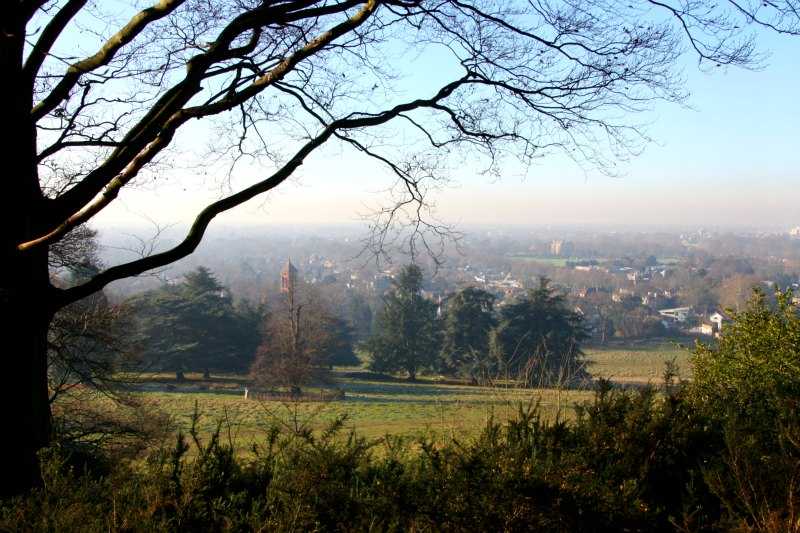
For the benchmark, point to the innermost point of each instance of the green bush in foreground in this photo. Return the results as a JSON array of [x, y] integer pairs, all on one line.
[[625, 464], [635, 461], [748, 387]]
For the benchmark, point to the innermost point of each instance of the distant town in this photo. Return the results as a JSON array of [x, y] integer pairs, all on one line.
[[626, 284]]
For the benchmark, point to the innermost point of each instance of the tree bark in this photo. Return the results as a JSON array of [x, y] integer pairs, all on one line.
[[25, 290], [25, 394]]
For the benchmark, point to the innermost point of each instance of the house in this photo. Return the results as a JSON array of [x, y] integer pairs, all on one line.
[[703, 329], [621, 294], [717, 319]]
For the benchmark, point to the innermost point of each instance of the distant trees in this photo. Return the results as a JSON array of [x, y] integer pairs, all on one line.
[[195, 326], [699, 294], [360, 314], [735, 291], [467, 324], [406, 337], [537, 339], [534, 340]]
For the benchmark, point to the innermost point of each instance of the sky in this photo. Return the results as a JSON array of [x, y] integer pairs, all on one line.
[[729, 158]]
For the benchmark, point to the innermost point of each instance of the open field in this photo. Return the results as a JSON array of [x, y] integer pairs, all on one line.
[[373, 408], [376, 407], [639, 363]]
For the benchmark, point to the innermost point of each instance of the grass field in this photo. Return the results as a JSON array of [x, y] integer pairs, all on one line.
[[377, 407], [639, 364]]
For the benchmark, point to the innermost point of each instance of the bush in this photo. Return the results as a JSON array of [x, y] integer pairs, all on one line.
[[748, 387], [625, 463], [753, 376]]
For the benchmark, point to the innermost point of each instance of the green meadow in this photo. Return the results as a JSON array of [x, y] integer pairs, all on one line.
[[375, 406]]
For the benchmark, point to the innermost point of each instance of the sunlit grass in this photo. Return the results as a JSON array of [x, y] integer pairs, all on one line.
[[639, 364], [375, 408]]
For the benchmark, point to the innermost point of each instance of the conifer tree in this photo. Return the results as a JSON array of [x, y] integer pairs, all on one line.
[[406, 336]]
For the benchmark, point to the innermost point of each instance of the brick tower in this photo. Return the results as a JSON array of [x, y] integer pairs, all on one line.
[[288, 277]]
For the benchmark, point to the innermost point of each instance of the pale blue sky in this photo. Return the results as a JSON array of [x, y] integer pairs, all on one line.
[[732, 159]]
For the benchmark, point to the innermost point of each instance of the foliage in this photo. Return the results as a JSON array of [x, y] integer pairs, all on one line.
[[195, 326], [698, 456], [635, 322], [753, 374], [360, 316], [537, 339], [467, 323], [687, 457], [302, 339], [630, 462], [406, 331], [339, 342]]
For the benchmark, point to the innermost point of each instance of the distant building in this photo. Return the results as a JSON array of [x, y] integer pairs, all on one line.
[[794, 232], [561, 248], [703, 329], [678, 314], [621, 294], [288, 277], [717, 319]]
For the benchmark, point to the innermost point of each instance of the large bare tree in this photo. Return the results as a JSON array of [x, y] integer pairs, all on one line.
[[92, 100]]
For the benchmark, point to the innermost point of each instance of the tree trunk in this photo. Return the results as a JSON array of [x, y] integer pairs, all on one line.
[[179, 377], [206, 374], [26, 297], [25, 393]]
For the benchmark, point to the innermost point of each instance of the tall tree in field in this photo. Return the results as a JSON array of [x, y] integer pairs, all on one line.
[[302, 339], [93, 107], [468, 321], [406, 336], [537, 339]]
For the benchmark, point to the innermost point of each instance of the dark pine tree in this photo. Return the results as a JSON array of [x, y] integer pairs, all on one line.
[[406, 336], [468, 321], [537, 340]]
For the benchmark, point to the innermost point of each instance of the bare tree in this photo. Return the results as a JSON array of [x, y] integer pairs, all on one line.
[[297, 343], [92, 107]]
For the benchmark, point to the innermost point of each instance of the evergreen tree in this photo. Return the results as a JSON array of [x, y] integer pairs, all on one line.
[[468, 321], [406, 336], [194, 326], [338, 343], [360, 316], [538, 339]]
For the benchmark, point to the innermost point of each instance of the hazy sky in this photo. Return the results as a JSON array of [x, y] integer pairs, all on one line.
[[733, 159]]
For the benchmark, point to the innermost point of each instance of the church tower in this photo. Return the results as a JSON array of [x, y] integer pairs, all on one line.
[[288, 277]]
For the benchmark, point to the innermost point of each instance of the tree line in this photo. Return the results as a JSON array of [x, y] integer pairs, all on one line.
[[533, 340], [296, 337], [196, 326]]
